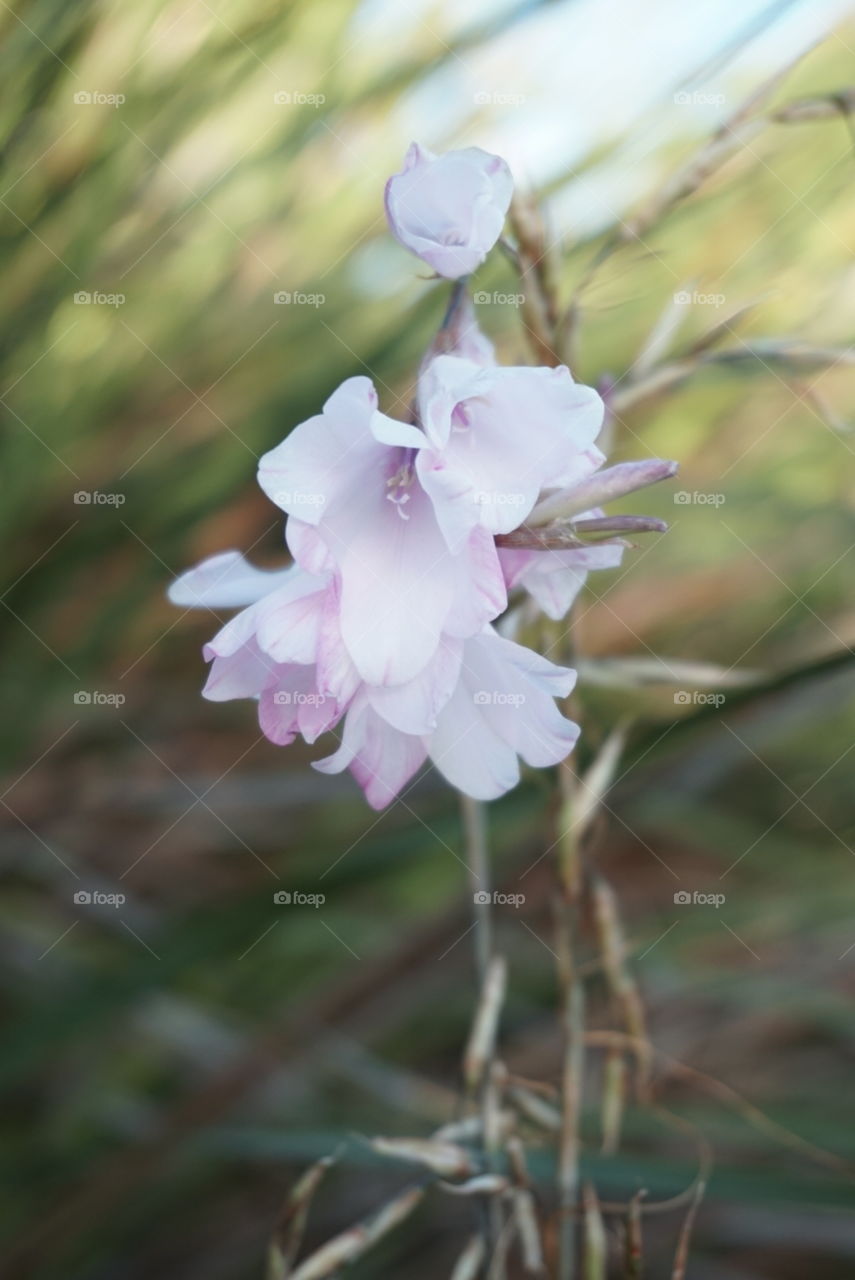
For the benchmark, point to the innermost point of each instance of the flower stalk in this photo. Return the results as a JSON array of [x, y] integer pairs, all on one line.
[[479, 1058], [408, 537], [478, 866]]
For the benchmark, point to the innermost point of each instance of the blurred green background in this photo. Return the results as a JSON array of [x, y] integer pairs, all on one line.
[[169, 1066]]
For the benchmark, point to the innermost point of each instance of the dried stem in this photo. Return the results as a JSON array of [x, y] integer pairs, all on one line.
[[634, 1253], [681, 1260], [595, 1236], [536, 260], [491, 980], [357, 1240], [621, 982], [573, 1027]]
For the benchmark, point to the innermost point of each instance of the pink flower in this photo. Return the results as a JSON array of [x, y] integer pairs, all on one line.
[[449, 209], [502, 707], [406, 516], [284, 648], [475, 707], [554, 578], [497, 436], [347, 479], [407, 537]]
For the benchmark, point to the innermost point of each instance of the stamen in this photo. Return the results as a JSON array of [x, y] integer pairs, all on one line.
[[399, 500]]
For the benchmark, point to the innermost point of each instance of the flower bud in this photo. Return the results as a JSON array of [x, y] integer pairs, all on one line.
[[449, 209]]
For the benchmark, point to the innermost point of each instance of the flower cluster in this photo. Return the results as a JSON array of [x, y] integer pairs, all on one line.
[[406, 539]]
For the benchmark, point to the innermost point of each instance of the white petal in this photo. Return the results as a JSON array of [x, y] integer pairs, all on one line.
[[288, 622], [242, 674], [398, 583], [314, 466], [224, 581], [413, 707], [381, 758], [467, 754]]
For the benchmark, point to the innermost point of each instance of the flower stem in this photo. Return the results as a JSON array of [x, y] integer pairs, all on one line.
[[573, 1032], [477, 861]]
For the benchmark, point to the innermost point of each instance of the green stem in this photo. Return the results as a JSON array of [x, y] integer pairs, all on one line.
[[478, 864]]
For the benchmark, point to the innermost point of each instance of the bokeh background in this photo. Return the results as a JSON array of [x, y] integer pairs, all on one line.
[[170, 1065]]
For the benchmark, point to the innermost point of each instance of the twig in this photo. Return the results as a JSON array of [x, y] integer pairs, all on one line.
[[481, 1047], [634, 1256], [621, 981], [491, 982], [573, 1063], [291, 1224], [682, 1256], [595, 1236], [525, 1212], [729, 1096], [469, 1264], [357, 1240], [613, 1101]]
